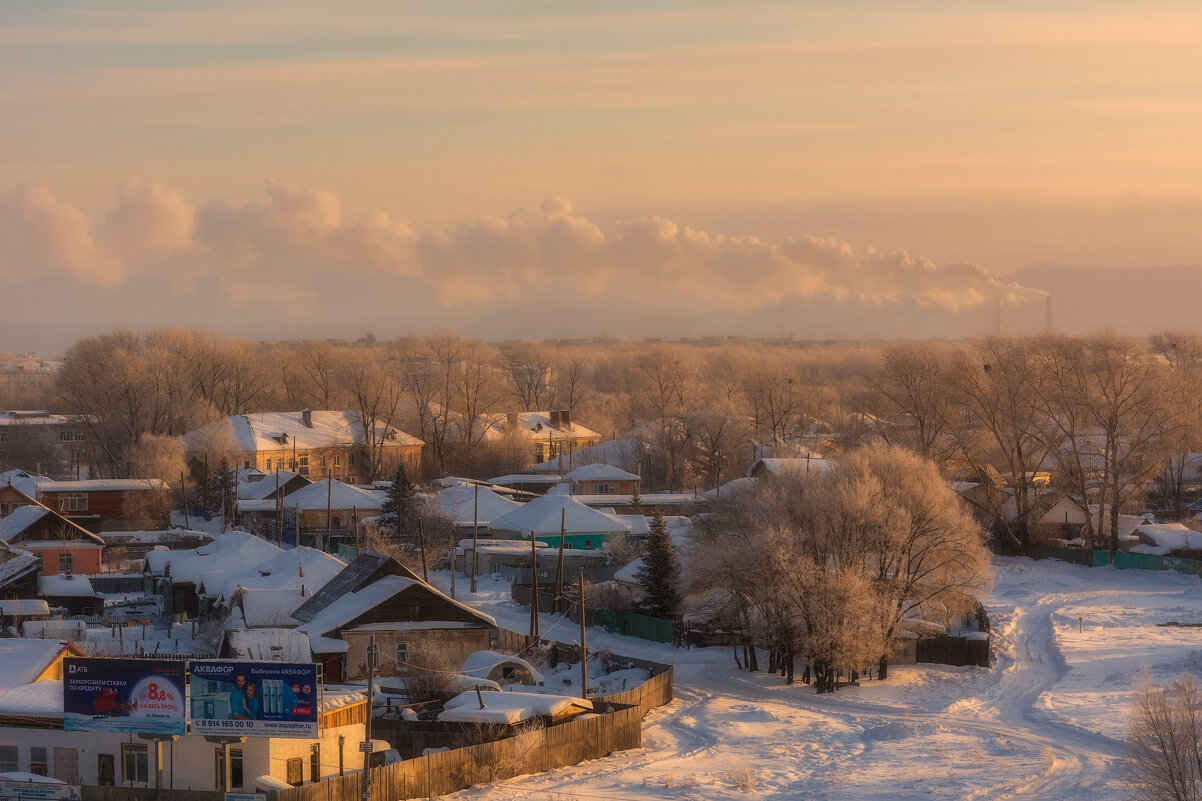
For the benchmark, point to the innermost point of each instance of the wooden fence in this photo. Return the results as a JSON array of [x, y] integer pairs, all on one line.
[[450, 771]]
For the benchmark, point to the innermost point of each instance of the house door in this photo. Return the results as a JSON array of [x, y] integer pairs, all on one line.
[[66, 765], [105, 773]]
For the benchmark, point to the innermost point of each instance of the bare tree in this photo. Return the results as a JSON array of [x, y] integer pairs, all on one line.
[[915, 386], [1164, 752]]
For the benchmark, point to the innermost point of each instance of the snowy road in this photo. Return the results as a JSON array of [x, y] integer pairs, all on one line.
[[1042, 724]]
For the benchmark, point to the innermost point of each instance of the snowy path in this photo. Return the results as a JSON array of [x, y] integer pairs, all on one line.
[[929, 732]]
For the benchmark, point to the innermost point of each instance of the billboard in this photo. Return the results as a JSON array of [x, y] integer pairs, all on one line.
[[254, 699], [140, 696]]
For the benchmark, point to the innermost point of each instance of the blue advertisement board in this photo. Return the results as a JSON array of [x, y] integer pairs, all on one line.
[[255, 699], [140, 696]]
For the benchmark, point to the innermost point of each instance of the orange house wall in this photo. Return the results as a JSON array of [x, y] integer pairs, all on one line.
[[84, 562]]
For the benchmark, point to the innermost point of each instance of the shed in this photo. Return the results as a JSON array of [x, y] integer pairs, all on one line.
[[501, 668]]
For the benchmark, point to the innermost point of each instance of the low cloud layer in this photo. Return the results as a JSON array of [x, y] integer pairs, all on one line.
[[282, 250]]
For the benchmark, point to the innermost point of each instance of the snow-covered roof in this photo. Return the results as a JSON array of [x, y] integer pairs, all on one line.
[[459, 504], [533, 425], [19, 563], [544, 515], [62, 586], [22, 482], [269, 645], [258, 490], [526, 478], [600, 472], [340, 496], [20, 519], [729, 488], [284, 570], [639, 526], [264, 608], [781, 466], [276, 431], [508, 708], [40, 699], [234, 550], [353, 604], [103, 485], [1167, 537], [23, 607], [481, 663], [629, 573], [23, 660]]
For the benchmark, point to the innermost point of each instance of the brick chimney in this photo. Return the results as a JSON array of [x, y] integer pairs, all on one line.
[[307, 418], [565, 418], [554, 415]]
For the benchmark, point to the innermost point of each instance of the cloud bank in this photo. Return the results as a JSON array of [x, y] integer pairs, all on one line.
[[280, 251]]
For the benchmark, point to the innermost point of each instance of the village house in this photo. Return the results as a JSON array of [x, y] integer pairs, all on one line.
[[547, 515], [601, 479], [314, 444], [59, 544], [533, 436], [376, 595], [112, 504]]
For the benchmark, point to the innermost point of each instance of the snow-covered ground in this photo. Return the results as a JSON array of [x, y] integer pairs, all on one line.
[[1045, 723]]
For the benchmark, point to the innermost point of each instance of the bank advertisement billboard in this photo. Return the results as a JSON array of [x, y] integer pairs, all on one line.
[[254, 699], [140, 696]]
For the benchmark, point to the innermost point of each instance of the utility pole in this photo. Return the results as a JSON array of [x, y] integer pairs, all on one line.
[[329, 509], [451, 565], [563, 516], [421, 543], [183, 485], [475, 532], [371, 686], [583, 647], [533, 588]]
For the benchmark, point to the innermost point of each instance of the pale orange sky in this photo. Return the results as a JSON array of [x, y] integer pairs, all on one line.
[[1000, 135]]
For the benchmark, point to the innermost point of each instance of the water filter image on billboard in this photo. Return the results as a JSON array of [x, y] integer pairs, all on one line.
[[265, 699], [143, 696]]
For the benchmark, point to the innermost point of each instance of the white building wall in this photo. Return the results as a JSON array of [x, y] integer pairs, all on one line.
[[189, 762]]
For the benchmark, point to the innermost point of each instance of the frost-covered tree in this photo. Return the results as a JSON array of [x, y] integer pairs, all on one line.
[[660, 573]]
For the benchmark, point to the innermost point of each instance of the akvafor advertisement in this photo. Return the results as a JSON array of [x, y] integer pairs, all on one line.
[[254, 699], [140, 696]]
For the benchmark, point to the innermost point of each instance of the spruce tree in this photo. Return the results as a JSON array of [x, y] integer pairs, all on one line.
[[400, 506], [220, 489], [636, 501], [660, 573]]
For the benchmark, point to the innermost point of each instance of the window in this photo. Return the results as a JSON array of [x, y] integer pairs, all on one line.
[[135, 763], [8, 758], [73, 502], [303, 460], [338, 461], [72, 436], [235, 767], [321, 460], [402, 652], [603, 489], [296, 771], [353, 460], [3, 436], [315, 762], [65, 562], [37, 761]]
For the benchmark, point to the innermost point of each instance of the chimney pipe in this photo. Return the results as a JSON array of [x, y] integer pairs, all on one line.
[[307, 418], [565, 418]]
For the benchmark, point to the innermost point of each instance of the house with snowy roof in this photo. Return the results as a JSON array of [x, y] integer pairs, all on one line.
[[535, 436], [767, 468], [110, 504], [546, 516], [403, 614], [315, 444], [468, 506], [179, 575], [602, 479], [60, 545]]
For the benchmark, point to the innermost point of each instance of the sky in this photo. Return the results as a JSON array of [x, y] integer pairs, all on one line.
[[291, 169]]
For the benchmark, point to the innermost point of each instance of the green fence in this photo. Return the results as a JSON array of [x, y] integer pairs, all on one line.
[[1145, 561], [635, 625]]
